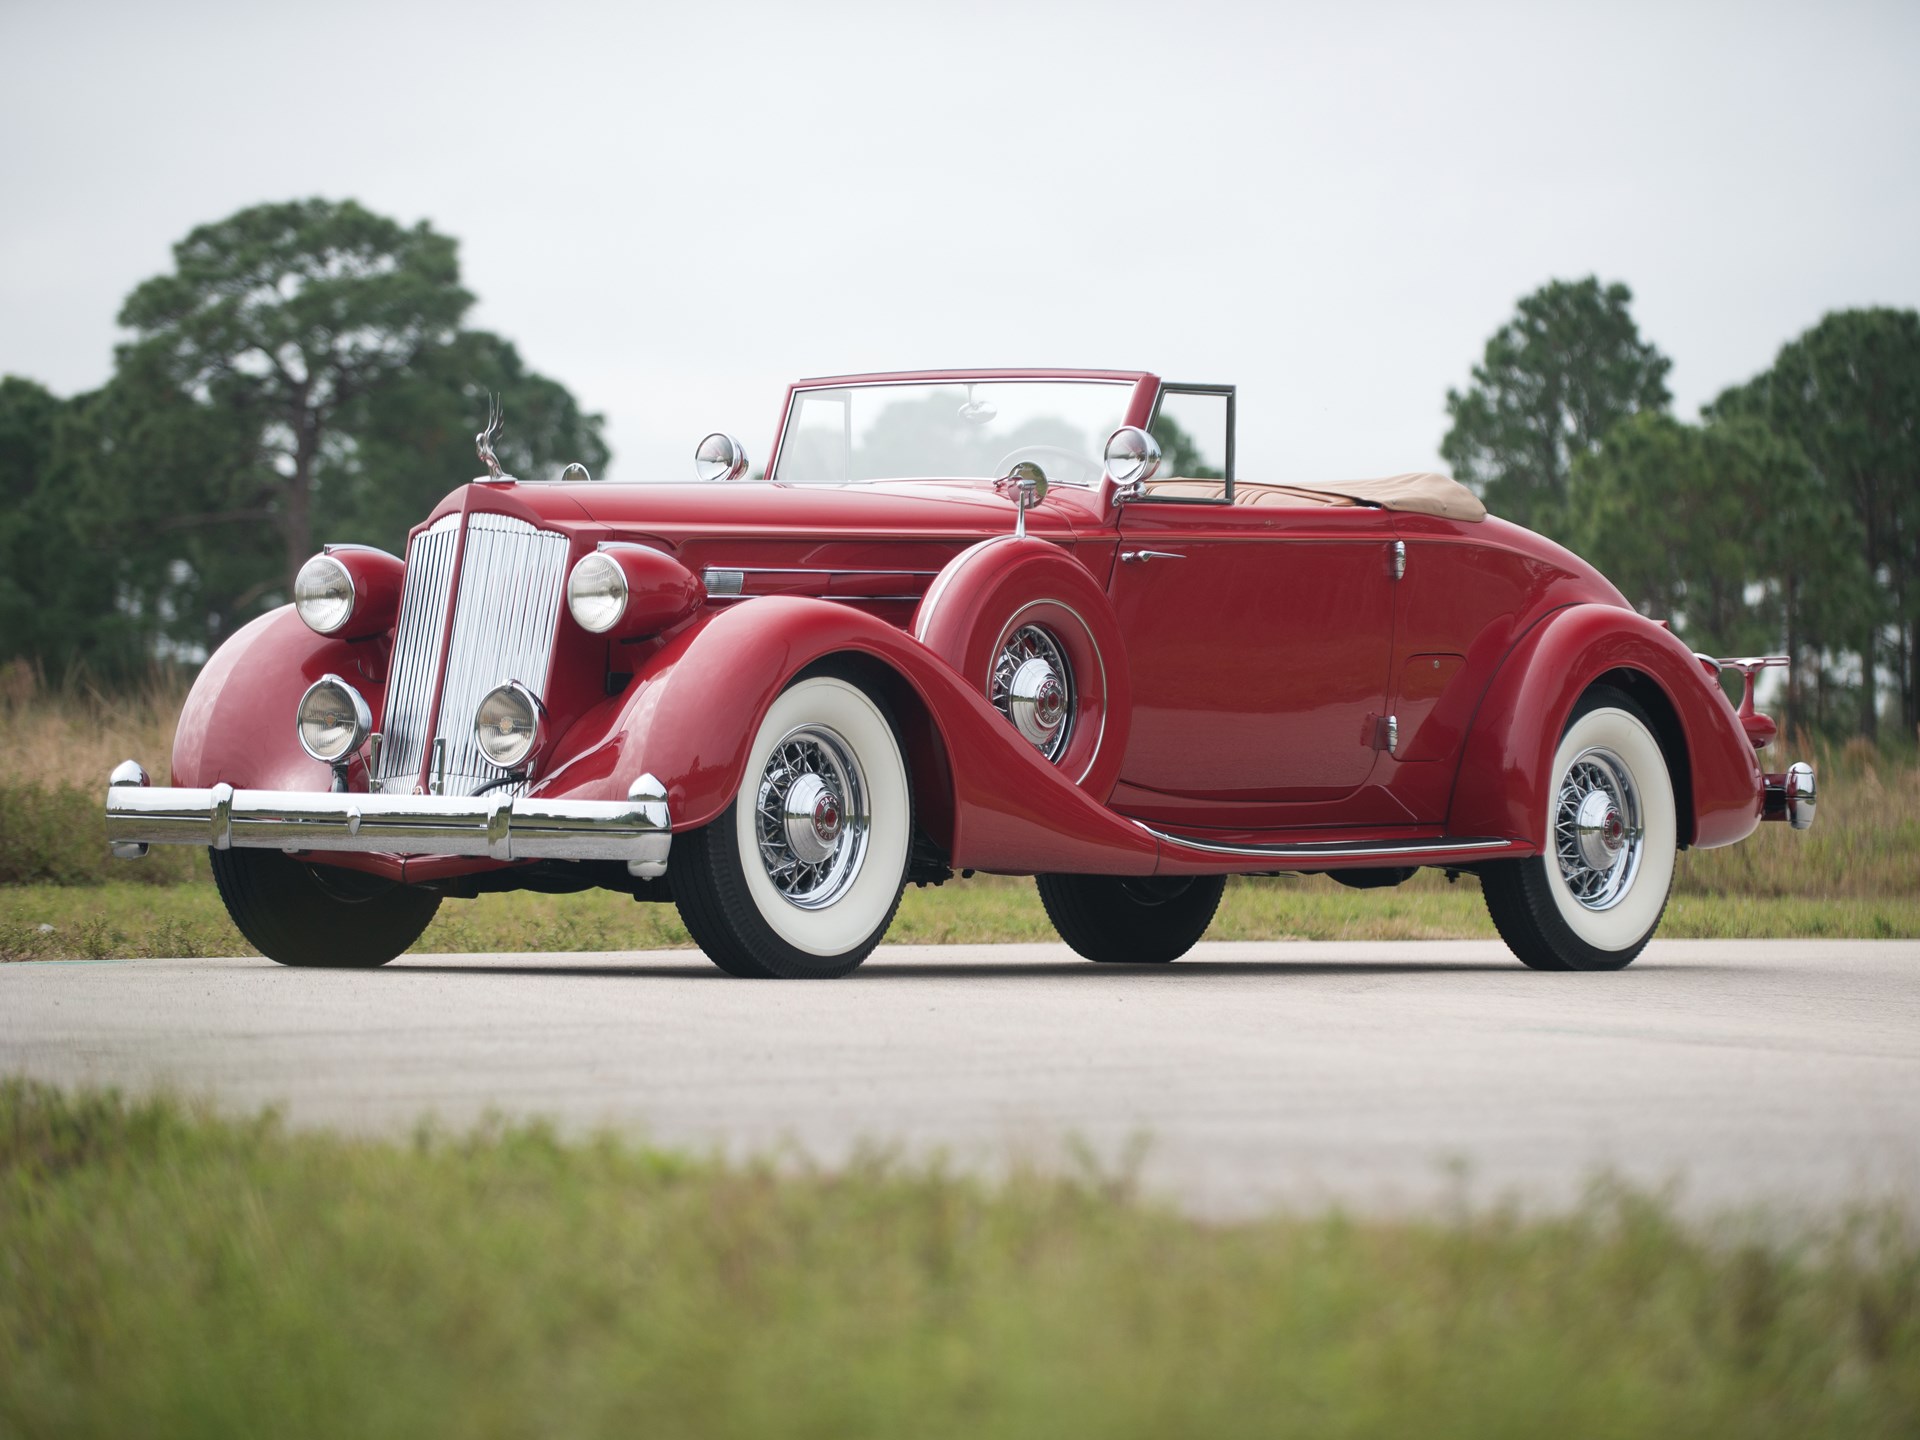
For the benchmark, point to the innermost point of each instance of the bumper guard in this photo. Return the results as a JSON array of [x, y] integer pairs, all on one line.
[[635, 831], [1790, 797]]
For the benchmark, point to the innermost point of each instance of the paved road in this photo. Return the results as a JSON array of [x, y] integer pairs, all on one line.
[[1786, 1072]]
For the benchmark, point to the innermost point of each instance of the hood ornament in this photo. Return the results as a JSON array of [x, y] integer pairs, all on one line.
[[483, 444]]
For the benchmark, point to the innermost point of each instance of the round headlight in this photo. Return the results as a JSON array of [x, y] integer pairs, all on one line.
[[332, 721], [1132, 454], [323, 594], [720, 457], [597, 592], [507, 725]]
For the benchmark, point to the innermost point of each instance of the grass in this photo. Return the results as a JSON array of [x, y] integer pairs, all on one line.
[[171, 1273], [1856, 873], [57, 922]]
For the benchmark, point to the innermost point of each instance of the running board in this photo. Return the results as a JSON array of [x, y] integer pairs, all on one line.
[[1404, 851]]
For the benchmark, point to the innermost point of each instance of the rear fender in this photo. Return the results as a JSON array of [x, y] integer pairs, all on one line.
[[983, 793], [237, 724], [1506, 764]]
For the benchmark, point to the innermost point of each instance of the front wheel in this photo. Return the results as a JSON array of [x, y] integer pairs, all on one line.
[[1131, 920], [1594, 899], [317, 915], [800, 876]]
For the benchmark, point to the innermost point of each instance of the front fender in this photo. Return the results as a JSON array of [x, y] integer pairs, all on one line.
[[692, 713], [1501, 788], [237, 724]]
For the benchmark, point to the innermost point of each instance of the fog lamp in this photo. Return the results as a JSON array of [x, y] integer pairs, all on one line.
[[507, 724], [332, 720]]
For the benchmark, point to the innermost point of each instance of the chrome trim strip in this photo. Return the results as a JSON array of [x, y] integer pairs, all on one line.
[[814, 570], [636, 831], [1331, 850]]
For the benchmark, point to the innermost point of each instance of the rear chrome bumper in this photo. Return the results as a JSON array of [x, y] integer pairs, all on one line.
[[1790, 796], [635, 831]]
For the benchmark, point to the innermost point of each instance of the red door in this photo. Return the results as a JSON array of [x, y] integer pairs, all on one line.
[[1259, 638]]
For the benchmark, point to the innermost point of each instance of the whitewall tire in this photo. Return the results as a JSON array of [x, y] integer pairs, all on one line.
[[1594, 898], [801, 875]]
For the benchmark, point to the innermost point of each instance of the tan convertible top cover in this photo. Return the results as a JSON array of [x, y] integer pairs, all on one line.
[[1419, 491]]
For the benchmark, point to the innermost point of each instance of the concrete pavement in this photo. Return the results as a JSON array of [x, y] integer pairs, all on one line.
[[1779, 1072]]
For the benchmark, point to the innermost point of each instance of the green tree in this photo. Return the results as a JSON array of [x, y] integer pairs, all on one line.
[[57, 584], [1551, 383], [1179, 454], [301, 375], [1848, 393], [1728, 532]]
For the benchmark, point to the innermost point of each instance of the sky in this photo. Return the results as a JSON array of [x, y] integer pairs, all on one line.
[[675, 210]]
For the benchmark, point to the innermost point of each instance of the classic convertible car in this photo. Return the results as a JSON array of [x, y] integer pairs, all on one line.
[[963, 623]]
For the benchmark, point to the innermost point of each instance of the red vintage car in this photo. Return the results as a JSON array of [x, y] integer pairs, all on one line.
[[965, 622]]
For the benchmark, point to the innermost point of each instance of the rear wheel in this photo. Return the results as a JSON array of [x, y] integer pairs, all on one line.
[[1131, 920], [316, 915], [1593, 901], [800, 876]]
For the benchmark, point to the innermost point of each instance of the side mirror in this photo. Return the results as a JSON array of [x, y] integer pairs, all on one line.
[[1132, 455], [719, 457], [1026, 482]]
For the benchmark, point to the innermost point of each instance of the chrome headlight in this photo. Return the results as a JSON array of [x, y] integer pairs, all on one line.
[[323, 594], [332, 720], [597, 592], [507, 724]]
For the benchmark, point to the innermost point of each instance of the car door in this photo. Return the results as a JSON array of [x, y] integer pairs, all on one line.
[[1259, 633]]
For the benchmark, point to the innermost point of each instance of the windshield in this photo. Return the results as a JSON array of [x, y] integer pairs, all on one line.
[[959, 428]]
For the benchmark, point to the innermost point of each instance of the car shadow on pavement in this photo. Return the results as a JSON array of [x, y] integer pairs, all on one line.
[[1003, 970]]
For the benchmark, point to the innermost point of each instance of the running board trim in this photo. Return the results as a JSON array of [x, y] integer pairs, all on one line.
[[1333, 850]]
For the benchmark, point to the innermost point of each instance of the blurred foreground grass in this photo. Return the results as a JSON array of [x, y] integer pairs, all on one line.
[[1855, 874], [168, 1273]]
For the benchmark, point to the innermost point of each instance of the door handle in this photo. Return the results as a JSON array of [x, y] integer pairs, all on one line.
[[1140, 557]]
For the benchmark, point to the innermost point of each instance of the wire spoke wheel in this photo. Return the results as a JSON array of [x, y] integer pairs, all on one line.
[[1593, 896], [799, 877], [1032, 685], [811, 811], [1598, 832]]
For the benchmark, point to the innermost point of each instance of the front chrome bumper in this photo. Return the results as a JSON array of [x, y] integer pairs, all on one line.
[[635, 831]]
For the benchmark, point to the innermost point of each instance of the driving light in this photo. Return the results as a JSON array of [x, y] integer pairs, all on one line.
[[1132, 455], [332, 720], [720, 457], [323, 594], [597, 592], [507, 724]]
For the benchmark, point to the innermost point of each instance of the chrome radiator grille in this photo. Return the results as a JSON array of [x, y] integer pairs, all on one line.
[[511, 581]]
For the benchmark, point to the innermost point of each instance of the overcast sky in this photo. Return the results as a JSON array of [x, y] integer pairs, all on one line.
[[676, 209]]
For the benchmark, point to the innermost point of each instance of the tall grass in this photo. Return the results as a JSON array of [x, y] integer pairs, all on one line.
[[168, 1273]]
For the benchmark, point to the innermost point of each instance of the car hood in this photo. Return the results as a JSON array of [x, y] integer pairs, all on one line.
[[675, 513]]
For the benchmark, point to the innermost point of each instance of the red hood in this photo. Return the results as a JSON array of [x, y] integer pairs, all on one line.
[[900, 509]]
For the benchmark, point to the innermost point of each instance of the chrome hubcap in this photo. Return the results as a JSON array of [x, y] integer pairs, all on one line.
[[1597, 829], [1033, 687], [812, 816]]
